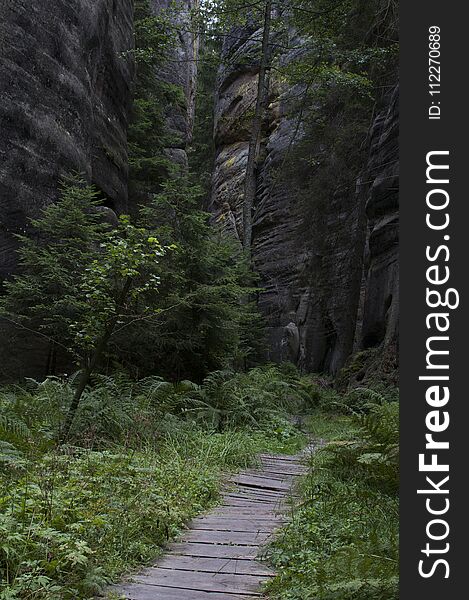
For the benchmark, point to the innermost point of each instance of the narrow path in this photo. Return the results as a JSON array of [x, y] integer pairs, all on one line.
[[216, 558]]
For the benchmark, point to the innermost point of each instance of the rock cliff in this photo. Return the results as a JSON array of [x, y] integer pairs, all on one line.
[[379, 189], [65, 84], [314, 295]]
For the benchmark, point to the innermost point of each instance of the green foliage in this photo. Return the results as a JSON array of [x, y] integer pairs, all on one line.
[[118, 410], [254, 398], [79, 278], [167, 295], [222, 15], [203, 323], [148, 135], [78, 519], [347, 66], [202, 149], [342, 543], [352, 42], [120, 278], [53, 256], [144, 457]]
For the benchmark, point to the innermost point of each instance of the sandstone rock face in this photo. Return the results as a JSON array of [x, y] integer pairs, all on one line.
[[65, 84], [310, 266], [380, 190]]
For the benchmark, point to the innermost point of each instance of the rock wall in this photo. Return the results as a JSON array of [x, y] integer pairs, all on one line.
[[65, 88], [379, 188], [180, 70], [311, 268]]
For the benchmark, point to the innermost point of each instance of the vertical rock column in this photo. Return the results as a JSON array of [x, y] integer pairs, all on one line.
[[379, 186]]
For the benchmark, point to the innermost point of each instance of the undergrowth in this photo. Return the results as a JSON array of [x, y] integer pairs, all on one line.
[[143, 458], [146, 456], [342, 542]]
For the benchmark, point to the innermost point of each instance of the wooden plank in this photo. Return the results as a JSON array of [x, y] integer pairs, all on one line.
[[214, 550], [214, 565], [261, 514], [240, 512], [243, 500], [261, 473], [282, 477], [226, 513], [265, 500], [236, 503], [280, 457], [256, 493], [227, 583], [251, 501], [263, 483], [249, 512], [284, 466], [149, 592], [259, 517], [250, 515], [235, 524], [285, 473], [240, 538], [259, 499]]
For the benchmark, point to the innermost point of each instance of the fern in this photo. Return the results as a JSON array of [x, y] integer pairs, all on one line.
[[12, 427], [10, 456]]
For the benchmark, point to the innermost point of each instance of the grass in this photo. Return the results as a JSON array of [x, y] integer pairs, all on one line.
[[147, 456], [330, 426], [143, 460], [342, 541]]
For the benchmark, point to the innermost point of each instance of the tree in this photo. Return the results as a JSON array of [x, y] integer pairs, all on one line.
[[58, 245], [202, 324], [202, 149], [80, 279], [148, 134]]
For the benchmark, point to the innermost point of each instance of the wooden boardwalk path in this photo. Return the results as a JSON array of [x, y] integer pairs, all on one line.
[[216, 558]]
